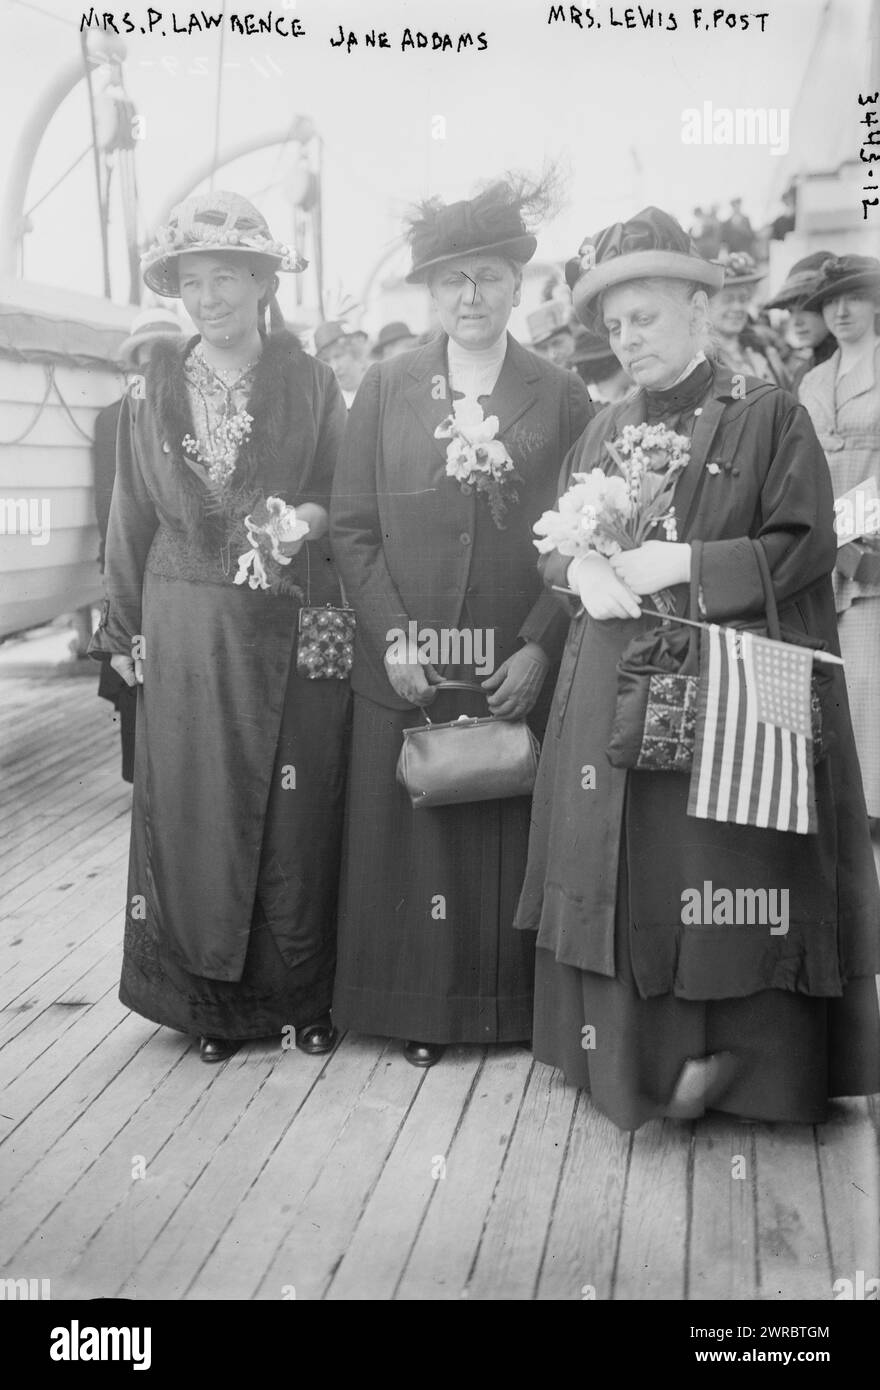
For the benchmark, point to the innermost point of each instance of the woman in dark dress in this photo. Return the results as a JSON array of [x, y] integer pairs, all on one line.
[[426, 947], [650, 1013], [239, 760]]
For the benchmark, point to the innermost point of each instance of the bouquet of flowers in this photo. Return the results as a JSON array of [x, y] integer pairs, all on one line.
[[274, 534], [613, 512], [477, 459]]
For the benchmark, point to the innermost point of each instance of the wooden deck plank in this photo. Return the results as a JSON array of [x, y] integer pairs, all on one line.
[[848, 1173], [512, 1244], [722, 1257], [441, 1258], [28, 874], [651, 1261], [252, 1233], [327, 1213], [373, 1264], [581, 1250], [66, 1078], [281, 1170], [54, 872], [793, 1255], [212, 1162]]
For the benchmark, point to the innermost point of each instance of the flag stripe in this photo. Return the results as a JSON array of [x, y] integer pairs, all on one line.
[[753, 753]]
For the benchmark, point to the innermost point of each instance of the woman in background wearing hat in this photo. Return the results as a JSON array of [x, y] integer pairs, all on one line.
[[650, 1014], [239, 760], [133, 354], [735, 341], [806, 331], [842, 396], [427, 953]]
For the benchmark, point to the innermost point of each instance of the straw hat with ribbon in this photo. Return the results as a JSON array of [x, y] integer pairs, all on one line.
[[216, 223]]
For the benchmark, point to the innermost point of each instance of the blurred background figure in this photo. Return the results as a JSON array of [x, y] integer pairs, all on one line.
[[706, 232], [785, 222], [806, 332], [345, 353], [737, 233], [598, 367], [550, 331], [393, 339], [736, 341], [133, 355], [842, 396]]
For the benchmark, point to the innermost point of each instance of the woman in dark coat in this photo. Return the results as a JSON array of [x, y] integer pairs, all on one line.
[[652, 1014], [240, 760], [426, 947]]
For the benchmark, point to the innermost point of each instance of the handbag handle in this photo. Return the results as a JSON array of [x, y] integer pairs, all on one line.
[[455, 685]]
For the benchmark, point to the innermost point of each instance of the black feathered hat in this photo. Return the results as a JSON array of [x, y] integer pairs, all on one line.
[[492, 222]]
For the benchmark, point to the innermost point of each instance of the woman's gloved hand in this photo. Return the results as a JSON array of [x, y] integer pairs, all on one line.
[[412, 681], [601, 592], [653, 566]]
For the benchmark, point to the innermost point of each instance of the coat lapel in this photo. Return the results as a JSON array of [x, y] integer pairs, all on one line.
[[428, 392], [514, 391], [857, 380]]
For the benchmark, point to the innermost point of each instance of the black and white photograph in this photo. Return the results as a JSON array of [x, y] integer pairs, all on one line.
[[439, 665]]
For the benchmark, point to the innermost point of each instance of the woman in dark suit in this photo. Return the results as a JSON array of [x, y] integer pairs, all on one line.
[[426, 950]]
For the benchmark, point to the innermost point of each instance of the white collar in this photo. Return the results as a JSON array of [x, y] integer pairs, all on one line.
[[694, 362]]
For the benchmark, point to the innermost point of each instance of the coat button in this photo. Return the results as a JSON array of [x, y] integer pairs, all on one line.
[[465, 538]]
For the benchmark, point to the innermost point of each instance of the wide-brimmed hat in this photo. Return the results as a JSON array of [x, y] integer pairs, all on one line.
[[650, 244], [391, 333], [148, 325], [803, 278], [547, 320], [845, 275], [491, 223], [740, 269], [212, 222]]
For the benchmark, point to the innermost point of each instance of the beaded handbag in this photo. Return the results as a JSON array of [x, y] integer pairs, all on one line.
[[325, 646]]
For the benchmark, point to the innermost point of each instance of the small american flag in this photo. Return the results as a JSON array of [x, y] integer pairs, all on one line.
[[753, 755]]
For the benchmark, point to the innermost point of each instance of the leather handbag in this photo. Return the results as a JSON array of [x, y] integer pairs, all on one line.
[[654, 727], [467, 759]]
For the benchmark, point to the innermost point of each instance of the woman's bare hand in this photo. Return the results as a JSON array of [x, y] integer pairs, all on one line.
[[131, 669]]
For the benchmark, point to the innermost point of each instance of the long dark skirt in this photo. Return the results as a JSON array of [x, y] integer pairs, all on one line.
[[792, 1051], [301, 848], [427, 948]]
